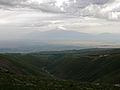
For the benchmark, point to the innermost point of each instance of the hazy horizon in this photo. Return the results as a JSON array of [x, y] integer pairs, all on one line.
[[84, 23]]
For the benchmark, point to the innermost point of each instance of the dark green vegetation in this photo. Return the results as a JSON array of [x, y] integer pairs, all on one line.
[[89, 69], [15, 82]]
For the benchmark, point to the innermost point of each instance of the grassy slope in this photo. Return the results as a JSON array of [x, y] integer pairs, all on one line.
[[82, 65], [105, 69], [23, 66], [16, 82], [28, 80]]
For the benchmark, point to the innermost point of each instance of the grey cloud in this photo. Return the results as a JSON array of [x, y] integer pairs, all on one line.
[[84, 3], [12, 3], [44, 7], [100, 2], [84, 8], [94, 8]]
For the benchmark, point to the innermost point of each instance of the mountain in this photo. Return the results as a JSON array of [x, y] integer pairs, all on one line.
[[59, 40], [54, 35], [63, 35]]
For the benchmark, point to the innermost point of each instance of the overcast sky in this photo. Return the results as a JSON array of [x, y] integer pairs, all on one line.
[[18, 17]]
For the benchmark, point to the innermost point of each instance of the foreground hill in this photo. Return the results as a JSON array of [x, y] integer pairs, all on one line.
[[15, 75], [88, 68], [17, 66], [61, 70], [102, 65], [18, 82]]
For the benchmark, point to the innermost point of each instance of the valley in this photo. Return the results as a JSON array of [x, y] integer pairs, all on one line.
[[86, 69]]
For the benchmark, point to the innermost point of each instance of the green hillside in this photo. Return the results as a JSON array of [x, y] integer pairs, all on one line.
[[18, 82], [89, 69], [101, 66]]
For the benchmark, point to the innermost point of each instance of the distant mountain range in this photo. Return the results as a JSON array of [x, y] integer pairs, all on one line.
[[57, 35], [59, 40], [54, 35]]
